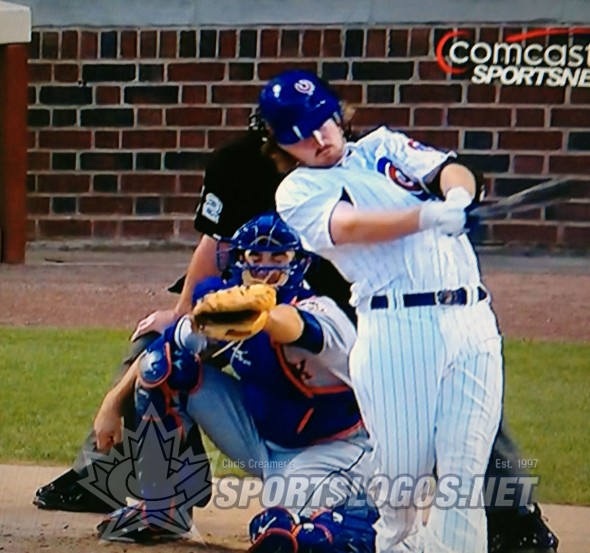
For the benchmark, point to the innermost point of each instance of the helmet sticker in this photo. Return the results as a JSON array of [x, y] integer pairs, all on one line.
[[304, 86]]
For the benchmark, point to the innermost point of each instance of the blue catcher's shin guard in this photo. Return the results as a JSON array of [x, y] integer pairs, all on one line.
[[271, 531]]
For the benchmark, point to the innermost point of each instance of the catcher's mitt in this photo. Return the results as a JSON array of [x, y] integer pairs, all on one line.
[[235, 313]]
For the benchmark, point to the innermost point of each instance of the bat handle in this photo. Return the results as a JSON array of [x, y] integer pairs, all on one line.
[[472, 221]]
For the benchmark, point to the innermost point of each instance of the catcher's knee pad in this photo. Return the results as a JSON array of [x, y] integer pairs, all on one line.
[[351, 528], [313, 538]]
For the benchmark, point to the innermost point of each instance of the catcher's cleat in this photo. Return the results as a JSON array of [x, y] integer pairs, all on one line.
[[524, 533], [129, 525], [66, 494]]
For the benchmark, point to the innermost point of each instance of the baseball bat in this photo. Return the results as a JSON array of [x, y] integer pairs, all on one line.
[[543, 194]]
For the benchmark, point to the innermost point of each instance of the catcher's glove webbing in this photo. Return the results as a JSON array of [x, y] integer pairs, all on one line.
[[234, 313]]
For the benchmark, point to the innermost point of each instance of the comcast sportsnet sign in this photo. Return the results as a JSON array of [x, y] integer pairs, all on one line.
[[516, 60]]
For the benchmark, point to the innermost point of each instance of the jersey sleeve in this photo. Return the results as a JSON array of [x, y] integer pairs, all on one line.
[[306, 202], [339, 334], [417, 161]]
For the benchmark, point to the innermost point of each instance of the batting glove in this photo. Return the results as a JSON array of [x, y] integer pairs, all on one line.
[[447, 217], [459, 196]]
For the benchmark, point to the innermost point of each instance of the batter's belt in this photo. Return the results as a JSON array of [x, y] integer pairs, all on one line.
[[460, 296]]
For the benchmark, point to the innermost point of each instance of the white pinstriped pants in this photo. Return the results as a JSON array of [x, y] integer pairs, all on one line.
[[429, 383]]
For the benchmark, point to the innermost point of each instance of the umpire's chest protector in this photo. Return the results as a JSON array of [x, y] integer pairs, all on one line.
[[285, 410]]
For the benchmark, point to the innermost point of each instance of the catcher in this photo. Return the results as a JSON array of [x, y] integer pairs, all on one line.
[[290, 414]]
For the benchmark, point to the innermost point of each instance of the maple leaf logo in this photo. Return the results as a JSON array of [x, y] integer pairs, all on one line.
[[164, 482]]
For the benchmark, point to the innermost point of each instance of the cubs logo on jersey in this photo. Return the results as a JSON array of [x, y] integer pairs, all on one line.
[[386, 167]]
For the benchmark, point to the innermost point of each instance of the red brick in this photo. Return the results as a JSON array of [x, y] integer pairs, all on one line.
[[570, 117], [530, 233], [31, 140], [106, 229], [237, 117], [186, 228], [332, 45], [217, 138], [269, 43], [66, 228], [312, 42], [66, 72], [570, 211], [523, 140], [32, 232], [69, 45], [239, 94], [432, 117], [88, 45], [154, 140], [581, 189], [168, 44], [479, 117], [489, 34], [63, 183], [40, 72], [179, 204], [150, 117], [528, 164], [192, 139], [420, 42], [577, 236], [37, 205], [184, 117], [481, 94], [191, 183], [147, 44], [431, 93], [398, 43], [106, 205], [580, 96], [108, 95], [576, 164], [50, 45], [194, 94], [65, 140], [290, 41], [129, 44], [430, 71], [531, 95], [376, 42], [147, 228], [530, 118], [227, 44], [201, 71], [439, 139], [267, 70], [38, 161], [107, 139], [147, 184], [352, 93], [371, 117]]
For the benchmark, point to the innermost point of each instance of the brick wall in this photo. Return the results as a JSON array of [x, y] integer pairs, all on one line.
[[121, 121]]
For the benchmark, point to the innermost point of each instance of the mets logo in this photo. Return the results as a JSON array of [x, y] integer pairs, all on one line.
[[387, 168], [304, 86]]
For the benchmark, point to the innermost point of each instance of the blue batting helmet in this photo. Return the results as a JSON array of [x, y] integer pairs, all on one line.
[[268, 233], [296, 103]]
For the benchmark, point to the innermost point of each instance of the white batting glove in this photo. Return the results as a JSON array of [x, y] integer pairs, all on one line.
[[459, 196], [447, 217]]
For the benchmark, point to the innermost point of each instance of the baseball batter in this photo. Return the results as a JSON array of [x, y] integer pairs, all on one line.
[[427, 365], [292, 412]]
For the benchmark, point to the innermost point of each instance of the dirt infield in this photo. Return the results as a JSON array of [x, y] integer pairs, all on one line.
[[542, 297]]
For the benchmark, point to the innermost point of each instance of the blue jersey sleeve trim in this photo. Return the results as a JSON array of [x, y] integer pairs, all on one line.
[[312, 337]]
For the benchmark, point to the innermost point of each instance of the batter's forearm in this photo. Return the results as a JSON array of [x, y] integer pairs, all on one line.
[[349, 225]]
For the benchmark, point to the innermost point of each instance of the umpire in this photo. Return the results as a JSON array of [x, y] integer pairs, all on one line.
[[240, 183]]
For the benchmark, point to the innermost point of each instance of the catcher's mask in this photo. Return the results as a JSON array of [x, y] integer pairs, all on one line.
[[266, 249]]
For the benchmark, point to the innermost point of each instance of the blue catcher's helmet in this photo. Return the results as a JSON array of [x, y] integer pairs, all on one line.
[[285, 261], [296, 103]]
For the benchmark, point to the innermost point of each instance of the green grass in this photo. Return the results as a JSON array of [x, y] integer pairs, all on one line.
[[53, 381]]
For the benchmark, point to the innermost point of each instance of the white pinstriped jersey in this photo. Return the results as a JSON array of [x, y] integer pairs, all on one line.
[[385, 170]]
